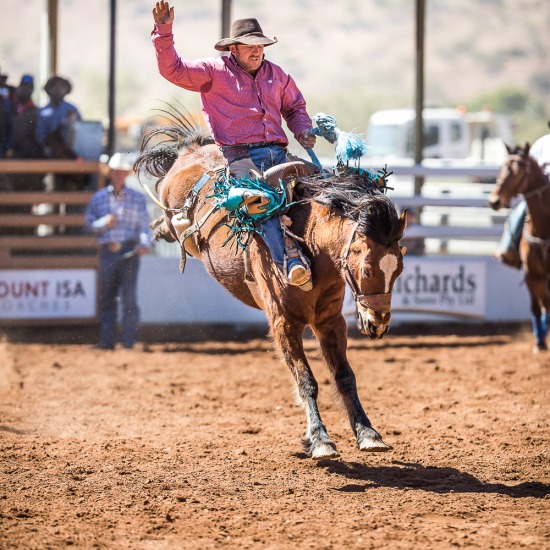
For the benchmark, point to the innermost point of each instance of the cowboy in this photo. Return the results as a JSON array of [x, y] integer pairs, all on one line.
[[243, 97], [118, 217]]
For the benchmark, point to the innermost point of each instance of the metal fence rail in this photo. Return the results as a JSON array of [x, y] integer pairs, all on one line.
[[451, 211]]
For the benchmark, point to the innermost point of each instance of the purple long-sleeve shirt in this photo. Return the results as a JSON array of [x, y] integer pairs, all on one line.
[[238, 107]]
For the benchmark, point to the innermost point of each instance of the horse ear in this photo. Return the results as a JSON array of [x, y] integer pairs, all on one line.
[[403, 221], [526, 149], [509, 148]]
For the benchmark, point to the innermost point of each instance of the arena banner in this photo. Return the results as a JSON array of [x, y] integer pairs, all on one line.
[[450, 287], [48, 294], [453, 287]]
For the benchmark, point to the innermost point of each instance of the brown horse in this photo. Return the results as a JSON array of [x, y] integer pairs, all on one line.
[[350, 233], [521, 175]]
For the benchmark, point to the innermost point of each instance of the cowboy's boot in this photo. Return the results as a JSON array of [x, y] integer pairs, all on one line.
[[509, 257], [299, 273]]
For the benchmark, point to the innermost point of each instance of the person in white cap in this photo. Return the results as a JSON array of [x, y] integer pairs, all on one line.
[[244, 99], [118, 217]]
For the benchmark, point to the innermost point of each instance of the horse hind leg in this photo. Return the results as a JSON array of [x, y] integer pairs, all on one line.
[[316, 441]]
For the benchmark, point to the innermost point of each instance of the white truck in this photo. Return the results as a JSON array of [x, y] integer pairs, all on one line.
[[448, 134]]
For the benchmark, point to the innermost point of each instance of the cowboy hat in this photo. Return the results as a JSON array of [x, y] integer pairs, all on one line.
[[245, 31], [121, 161], [54, 80]]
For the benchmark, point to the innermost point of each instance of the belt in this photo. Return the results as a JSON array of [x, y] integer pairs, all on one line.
[[120, 246], [253, 145]]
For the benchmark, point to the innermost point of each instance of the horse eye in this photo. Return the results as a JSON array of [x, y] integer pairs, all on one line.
[[367, 272]]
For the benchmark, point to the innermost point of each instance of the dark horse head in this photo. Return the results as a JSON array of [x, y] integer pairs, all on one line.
[[371, 259], [513, 177]]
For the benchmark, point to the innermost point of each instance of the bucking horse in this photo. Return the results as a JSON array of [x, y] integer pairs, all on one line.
[[348, 229]]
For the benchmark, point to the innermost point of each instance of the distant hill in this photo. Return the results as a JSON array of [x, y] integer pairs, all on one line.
[[349, 57]]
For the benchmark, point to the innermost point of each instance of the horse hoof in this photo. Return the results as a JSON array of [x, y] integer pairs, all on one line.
[[372, 443], [324, 451], [374, 447]]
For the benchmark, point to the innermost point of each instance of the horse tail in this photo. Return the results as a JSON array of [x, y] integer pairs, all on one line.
[[158, 159], [161, 145]]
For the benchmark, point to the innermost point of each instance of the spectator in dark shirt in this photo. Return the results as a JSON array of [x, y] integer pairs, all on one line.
[[55, 122], [25, 143], [55, 135], [6, 115]]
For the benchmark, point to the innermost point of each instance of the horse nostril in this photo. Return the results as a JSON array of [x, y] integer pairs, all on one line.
[[370, 330]]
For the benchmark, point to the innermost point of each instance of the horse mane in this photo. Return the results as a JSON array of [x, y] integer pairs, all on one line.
[[161, 145], [358, 199]]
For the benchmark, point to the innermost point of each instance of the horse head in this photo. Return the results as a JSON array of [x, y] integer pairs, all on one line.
[[513, 177], [372, 262]]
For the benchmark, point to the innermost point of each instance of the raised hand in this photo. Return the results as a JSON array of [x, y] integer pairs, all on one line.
[[163, 13]]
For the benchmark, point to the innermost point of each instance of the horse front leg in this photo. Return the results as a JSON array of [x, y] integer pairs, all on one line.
[[288, 336], [332, 336]]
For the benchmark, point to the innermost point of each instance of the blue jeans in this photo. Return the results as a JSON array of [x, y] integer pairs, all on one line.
[[265, 158], [513, 228], [118, 278]]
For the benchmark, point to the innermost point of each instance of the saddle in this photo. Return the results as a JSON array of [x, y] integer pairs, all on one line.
[[253, 201]]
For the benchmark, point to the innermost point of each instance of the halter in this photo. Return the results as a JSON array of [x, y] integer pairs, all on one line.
[[380, 303]]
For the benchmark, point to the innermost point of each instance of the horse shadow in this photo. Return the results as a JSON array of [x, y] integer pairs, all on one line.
[[413, 476], [263, 345], [367, 346]]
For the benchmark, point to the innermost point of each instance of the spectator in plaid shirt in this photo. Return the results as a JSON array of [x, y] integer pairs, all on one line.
[[118, 217]]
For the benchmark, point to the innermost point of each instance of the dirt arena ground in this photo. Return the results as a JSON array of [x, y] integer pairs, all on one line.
[[196, 445]]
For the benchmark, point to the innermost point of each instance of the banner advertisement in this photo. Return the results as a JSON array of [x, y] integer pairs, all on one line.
[[48, 294], [449, 287]]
